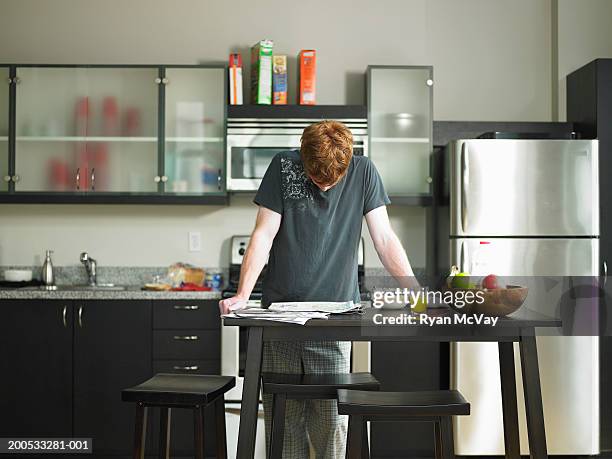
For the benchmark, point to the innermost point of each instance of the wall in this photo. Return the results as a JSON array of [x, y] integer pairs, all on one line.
[[491, 59], [583, 35]]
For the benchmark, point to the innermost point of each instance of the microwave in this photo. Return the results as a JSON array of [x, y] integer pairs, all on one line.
[[252, 143]]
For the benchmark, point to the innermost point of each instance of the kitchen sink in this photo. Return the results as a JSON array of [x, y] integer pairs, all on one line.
[[111, 287], [81, 288]]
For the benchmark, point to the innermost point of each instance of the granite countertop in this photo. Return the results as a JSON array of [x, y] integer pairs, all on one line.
[[132, 278], [130, 293]]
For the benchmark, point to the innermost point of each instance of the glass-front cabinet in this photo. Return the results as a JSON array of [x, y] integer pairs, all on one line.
[[114, 131], [400, 127], [195, 130]]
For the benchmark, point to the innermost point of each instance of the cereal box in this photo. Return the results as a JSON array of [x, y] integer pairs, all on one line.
[[235, 79], [261, 72], [279, 80], [307, 65]]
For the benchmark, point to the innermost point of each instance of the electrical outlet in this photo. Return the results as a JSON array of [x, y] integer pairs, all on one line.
[[195, 241]]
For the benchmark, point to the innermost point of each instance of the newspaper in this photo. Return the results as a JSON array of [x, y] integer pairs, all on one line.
[[328, 307], [296, 312], [290, 317]]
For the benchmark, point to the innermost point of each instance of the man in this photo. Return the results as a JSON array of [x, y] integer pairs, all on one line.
[[311, 206]]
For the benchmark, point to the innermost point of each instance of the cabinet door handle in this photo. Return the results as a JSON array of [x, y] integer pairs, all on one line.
[[64, 310], [81, 316], [186, 368], [190, 307], [186, 337], [93, 179], [605, 272], [78, 179]]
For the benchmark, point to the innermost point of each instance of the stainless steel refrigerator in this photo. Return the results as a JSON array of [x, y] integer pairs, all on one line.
[[525, 208]]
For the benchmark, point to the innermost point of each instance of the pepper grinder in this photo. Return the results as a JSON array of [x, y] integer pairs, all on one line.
[[47, 275]]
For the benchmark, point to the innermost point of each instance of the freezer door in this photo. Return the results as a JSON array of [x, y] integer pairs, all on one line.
[[524, 187], [569, 366]]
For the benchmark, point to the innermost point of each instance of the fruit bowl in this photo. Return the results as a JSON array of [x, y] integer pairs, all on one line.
[[497, 302]]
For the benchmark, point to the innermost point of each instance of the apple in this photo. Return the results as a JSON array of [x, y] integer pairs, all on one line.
[[461, 280], [491, 282]]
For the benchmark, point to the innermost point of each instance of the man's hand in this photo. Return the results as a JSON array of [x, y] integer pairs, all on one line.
[[232, 304]]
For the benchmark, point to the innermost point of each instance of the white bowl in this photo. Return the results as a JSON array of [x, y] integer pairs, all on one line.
[[18, 275]]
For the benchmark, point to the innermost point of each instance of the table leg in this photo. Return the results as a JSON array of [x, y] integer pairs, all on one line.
[[533, 397], [509, 400], [250, 395]]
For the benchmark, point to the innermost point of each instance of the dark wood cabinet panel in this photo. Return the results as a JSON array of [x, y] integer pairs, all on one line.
[[187, 344], [63, 373], [186, 314], [589, 107], [201, 367], [112, 351], [36, 368]]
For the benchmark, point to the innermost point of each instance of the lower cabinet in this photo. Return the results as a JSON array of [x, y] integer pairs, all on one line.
[[63, 365], [35, 368], [112, 351], [187, 340]]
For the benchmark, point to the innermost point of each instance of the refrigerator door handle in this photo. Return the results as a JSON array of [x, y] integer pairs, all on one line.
[[465, 180], [463, 257], [605, 272]]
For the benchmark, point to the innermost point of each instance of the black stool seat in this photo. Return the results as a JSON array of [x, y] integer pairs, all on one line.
[[316, 386], [179, 389], [419, 403], [168, 391], [432, 406]]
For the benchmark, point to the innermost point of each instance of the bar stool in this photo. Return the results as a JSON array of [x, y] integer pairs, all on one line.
[[167, 391], [322, 386], [432, 406]]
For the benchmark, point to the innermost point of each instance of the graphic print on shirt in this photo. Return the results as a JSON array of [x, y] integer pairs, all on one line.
[[296, 185]]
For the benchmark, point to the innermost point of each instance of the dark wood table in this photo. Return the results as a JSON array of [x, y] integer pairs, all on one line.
[[360, 327]]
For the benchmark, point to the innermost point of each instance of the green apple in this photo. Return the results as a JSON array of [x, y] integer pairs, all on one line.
[[461, 280]]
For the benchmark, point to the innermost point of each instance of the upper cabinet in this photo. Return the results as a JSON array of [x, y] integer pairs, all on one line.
[[400, 127], [146, 134], [195, 112]]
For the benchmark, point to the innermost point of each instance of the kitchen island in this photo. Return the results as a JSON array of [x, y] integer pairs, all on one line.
[[355, 327]]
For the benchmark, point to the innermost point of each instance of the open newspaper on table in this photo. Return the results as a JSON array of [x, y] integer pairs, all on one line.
[[328, 307], [296, 312]]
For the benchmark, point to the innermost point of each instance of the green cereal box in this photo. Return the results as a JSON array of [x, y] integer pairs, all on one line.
[[261, 72]]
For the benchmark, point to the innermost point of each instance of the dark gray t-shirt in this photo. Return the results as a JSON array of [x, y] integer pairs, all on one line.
[[314, 254]]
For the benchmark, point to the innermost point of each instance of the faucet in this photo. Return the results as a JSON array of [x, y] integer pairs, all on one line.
[[90, 267]]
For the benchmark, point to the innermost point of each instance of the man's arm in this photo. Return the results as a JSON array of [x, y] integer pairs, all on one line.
[[266, 226], [389, 248]]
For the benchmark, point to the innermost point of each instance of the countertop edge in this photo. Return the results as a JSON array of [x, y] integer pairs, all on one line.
[[17, 294]]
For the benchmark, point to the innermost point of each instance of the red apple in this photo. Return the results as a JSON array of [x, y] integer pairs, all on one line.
[[490, 282]]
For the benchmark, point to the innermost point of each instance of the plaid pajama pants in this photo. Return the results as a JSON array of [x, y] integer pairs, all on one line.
[[314, 420]]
